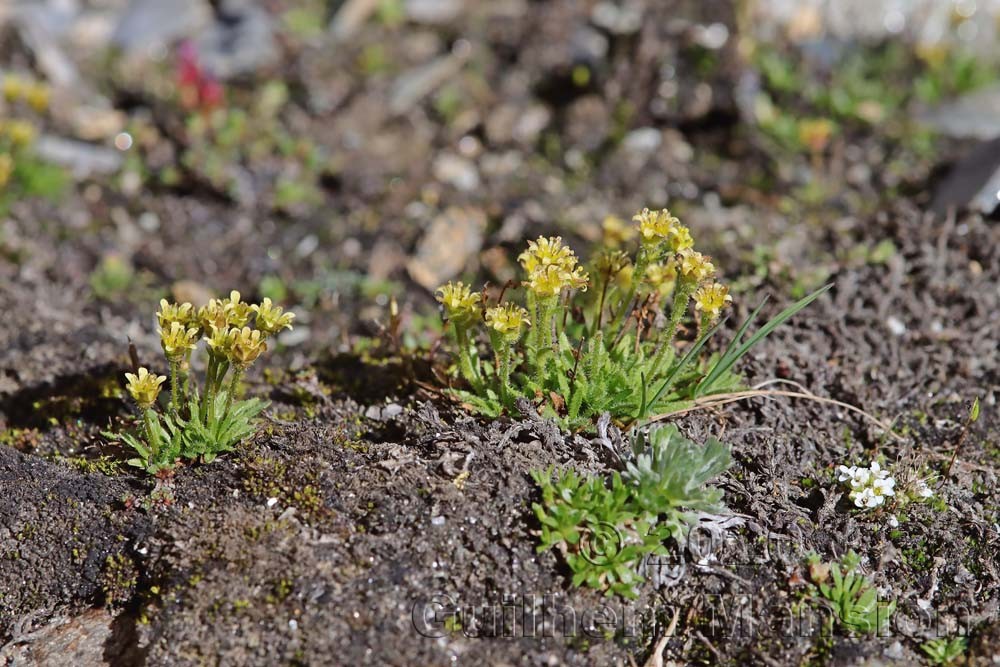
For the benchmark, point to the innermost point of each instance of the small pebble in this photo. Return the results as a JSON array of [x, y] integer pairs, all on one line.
[[896, 326]]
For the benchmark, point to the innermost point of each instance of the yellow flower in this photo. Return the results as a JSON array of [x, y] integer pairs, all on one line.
[[547, 252], [694, 266], [551, 280], [20, 132], [271, 319], [611, 262], [507, 319], [237, 312], [245, 345], [655, 226], [460, 303], [624, 278], [616, 232], [177, 340], [144, 387], [169, 313], [815, 133], [6, 168], [661, 277], [213, 316], [13, 87], [711, 299], [37, 96], [223, 313], [218, 341], [679, 238]]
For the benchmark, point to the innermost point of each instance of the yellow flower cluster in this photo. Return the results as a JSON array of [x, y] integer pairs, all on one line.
[[552, 267], [507, 319], [35, 93], [460, 303], [223, 323], [20, 133], [661, 226], [144, 387], [685, 264]]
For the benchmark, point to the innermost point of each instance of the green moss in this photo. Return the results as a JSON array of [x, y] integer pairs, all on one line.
[[118, 579]]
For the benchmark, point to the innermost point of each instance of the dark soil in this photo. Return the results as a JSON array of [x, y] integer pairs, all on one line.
[[368, 509]]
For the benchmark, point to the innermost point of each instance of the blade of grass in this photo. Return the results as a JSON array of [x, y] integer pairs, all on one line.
[[737, 348], [691, 354]]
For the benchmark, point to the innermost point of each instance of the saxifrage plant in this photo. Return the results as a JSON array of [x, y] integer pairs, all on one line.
[[201, 424], [604, 340], [605, 528], [851, 595]]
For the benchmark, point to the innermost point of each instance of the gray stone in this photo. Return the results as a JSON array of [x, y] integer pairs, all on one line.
[[82, 158], [151, 25]]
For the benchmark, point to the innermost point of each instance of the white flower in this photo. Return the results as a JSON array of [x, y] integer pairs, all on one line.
[[921, 490], [893, 521], [884, 486], [847, 473], [869, 486]]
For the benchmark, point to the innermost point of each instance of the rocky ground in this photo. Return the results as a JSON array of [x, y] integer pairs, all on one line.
[[370, 151]]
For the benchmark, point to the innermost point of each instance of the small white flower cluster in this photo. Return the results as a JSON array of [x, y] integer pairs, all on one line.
[[869, 486]]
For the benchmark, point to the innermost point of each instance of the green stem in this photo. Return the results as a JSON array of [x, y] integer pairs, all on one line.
[[233, 384], [152, 435], [641, 263], [465, 365], [175, 385], [186, 370], [502, 352]]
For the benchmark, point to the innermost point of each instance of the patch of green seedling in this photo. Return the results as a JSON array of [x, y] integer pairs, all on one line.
[[224, 141], [22, 174], [851, 595], [605, 528], [199, 425], [610, 349], [944, 650]]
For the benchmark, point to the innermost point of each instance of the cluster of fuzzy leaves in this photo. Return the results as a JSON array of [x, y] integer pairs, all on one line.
[[604, 529], [852, 596], [191, 438], [612, 348]]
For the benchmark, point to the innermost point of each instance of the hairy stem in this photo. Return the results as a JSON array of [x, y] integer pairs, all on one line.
[[206, 398], [543, 337], [677, 310]]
